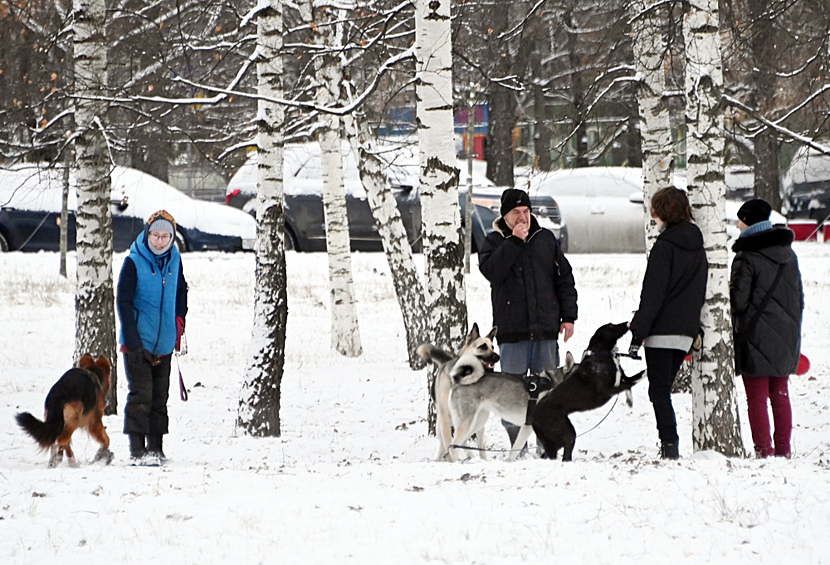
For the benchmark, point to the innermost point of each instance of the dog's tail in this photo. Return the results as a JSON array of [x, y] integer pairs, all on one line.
[[435, 355], [44, 433], [467, 370], [630, 382]]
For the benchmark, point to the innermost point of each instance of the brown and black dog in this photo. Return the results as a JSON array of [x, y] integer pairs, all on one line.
[[75, 401]]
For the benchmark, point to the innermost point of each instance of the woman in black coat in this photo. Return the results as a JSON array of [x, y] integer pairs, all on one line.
[[668, 318], [767, 304]]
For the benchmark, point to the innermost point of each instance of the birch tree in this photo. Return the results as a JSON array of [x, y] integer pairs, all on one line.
[[714, 408], [408, 287], [345, 332], [649, 42], [259, 405], [443, 248], [94, 295]]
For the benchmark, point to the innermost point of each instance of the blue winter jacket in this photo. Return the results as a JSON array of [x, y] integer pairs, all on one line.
[[151, 292]]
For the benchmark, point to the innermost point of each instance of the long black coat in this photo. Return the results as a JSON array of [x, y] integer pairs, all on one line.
[[674, 286], [771, 348], [532, 283]]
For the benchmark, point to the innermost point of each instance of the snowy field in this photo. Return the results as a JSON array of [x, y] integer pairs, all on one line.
[[352, 479]]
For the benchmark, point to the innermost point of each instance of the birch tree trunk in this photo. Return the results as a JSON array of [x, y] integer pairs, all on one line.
[[94, 295], [714, 409], [408, 287], [649, 46], [345, 333], [443, 248], [259, 405]]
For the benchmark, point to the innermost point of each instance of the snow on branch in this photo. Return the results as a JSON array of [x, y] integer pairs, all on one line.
[[775, 125]]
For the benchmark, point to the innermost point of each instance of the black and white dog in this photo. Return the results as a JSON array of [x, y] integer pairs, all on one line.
[[588, 385]]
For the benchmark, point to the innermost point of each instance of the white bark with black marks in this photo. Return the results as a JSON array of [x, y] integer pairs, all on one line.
[[648, 24], [715, 423], [95, 296], [259, 405], [408, 287], [443, 247], [345, 332]]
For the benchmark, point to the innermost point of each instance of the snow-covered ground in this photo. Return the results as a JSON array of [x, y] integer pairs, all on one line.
[[352, 479]]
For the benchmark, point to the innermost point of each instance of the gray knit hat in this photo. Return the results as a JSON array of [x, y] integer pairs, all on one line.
[[164, 222]]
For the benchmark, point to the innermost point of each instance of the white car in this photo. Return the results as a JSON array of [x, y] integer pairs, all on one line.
[[602, 207], [30, 204]]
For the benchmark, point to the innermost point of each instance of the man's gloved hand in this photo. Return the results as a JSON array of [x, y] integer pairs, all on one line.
[[633, 350]]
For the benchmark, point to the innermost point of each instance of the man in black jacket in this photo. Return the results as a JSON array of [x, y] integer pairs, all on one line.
[[767, 305], [532, 289]]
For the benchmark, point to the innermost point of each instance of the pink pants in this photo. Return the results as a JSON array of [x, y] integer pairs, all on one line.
[[774, 389]]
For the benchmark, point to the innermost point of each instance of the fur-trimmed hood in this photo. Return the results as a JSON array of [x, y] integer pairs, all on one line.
[[772, 243]]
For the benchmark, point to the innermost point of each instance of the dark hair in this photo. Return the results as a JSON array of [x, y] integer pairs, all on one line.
[[671, 205]]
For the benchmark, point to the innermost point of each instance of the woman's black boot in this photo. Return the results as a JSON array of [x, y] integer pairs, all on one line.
[[137, 449]]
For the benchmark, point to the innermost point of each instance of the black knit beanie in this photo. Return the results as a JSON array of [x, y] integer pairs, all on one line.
[[754, 211], [512, 198]]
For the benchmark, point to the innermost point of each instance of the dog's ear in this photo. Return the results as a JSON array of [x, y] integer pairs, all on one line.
[[569, 361], [85, 361], [103, 363], [492, 335], [474, 334]]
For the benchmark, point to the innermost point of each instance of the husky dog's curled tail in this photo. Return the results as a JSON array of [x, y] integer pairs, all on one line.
[[434, 355]]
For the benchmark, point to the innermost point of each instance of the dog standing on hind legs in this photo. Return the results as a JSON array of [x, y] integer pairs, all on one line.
[[458, 369], [589, 385], [77, 400]]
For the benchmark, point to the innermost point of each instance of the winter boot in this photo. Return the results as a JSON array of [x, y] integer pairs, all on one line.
[[154, 442], [669, 451], [137, 449]]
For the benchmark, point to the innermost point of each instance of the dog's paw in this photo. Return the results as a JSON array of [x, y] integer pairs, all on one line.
[[104, 455]]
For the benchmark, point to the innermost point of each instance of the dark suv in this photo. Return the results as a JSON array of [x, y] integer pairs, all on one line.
[[304, 218]]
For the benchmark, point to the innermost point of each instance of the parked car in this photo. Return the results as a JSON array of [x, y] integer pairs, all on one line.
[[30, 204], [805, 187], [602, 207], [487, 194], [303, 187]]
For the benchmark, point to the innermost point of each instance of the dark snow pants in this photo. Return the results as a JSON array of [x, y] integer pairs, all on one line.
[[149, 386], [662, 367]]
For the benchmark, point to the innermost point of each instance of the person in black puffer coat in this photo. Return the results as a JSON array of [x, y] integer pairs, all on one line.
[[767, 344], [531, 288], [668, 318]]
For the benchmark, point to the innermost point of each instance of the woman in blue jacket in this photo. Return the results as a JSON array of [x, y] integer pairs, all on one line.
[[152, 305]]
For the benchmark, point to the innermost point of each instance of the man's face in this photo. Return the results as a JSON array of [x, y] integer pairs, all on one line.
[[518, 215]]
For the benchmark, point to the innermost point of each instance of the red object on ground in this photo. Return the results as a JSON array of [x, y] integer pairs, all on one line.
[[803, 365], [805, 230]]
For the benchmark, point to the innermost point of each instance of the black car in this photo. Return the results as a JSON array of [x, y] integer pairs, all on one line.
[[304, 218], [30, 204]]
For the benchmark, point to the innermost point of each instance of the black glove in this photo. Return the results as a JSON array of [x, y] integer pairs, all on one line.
[[633, 349], [135, 359]]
